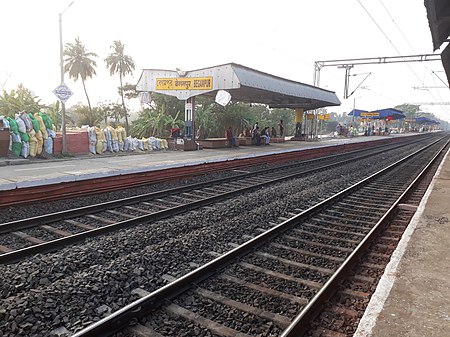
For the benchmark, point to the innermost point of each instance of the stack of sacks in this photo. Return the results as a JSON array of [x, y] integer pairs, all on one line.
[[16, 141], [101, 141], [164, 144], [4, 121], [145, 144], [48, 125], [154, 143], [33, 143], [30, 136], [25, 150], [137, 144], [130, 144], [114, 143], [92, 139], [108, 139], [122, 138], [39, 129]]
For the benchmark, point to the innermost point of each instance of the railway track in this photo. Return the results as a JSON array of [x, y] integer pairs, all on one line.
[[72, 189], [277, 282], [338, 318], [26, 237]]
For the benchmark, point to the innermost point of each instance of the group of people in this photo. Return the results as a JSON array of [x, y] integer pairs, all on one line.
[[260, 136]]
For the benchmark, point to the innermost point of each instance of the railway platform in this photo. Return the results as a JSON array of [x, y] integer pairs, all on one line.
[[412, 298], [22, 173]]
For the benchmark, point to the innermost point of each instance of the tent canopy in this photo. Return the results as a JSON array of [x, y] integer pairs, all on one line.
[[378, 114], [426, 120]]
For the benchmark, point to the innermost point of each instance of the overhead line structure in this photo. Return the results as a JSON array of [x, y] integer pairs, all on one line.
[[430, 103], [350, 63]]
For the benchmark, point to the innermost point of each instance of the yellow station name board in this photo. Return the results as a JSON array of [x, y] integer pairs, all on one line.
[[184, 83], [370, 114], [325, 117]]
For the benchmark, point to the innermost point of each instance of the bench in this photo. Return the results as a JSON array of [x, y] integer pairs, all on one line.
[[277, 140], [244, 141], [213, 143]]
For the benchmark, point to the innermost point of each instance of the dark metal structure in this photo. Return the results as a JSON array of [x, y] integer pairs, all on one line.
[[348, 64], [438, 13]]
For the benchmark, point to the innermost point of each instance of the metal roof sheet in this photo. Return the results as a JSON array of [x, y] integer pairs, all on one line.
[[246, 85]]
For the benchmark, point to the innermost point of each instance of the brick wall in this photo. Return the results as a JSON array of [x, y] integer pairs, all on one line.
[[77, 142]]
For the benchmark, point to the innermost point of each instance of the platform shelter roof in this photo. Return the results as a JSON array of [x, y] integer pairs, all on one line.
[[378, 114], [426, 120], [243, 83]]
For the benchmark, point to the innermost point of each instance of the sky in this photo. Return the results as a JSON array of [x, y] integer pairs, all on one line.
[[282, 38]]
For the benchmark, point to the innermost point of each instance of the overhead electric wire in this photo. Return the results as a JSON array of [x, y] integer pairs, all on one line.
[[395, 23], [387, 37], [412, 48], [393, 45]]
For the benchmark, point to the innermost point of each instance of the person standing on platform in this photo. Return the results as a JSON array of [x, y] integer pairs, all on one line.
[[281, 127], [273, 132], [230, 137]]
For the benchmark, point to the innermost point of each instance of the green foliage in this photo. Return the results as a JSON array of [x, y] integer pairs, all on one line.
[[84, 116], [79, 64], [119, 63], [18, 100], [287, 115], [410, 110], [129, 91], [204, 115], [159, 118], [53, 111], [216, 119], [172, 105], [111, 110], [78, 61]]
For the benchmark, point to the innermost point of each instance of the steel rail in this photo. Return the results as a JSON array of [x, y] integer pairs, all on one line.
[[8, 227], [71, 189], [313, 308], [119, 319], [53, 245]]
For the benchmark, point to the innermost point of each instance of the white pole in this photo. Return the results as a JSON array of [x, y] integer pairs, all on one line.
[[61, 63]]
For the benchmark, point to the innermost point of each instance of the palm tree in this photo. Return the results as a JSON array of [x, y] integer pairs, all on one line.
[[78, 63], [118, 62]]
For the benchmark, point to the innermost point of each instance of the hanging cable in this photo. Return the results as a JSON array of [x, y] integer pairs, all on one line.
[[412, 48], [387, 37]]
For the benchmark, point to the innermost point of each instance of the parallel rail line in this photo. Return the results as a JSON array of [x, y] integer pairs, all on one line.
[[68, 227], [72, 189], [303, 260]]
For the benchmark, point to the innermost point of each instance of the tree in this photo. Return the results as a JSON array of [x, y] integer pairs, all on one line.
[[85, 116], [111, 110], [161, 115], [79, 64], [410, 110], [17, 100], [118, 62]]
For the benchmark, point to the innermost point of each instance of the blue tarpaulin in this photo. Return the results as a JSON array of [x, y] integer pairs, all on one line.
[[426, 120], [378, 114]]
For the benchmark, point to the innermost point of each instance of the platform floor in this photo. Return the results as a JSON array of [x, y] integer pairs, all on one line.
[[19, 173], [413, 297]]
